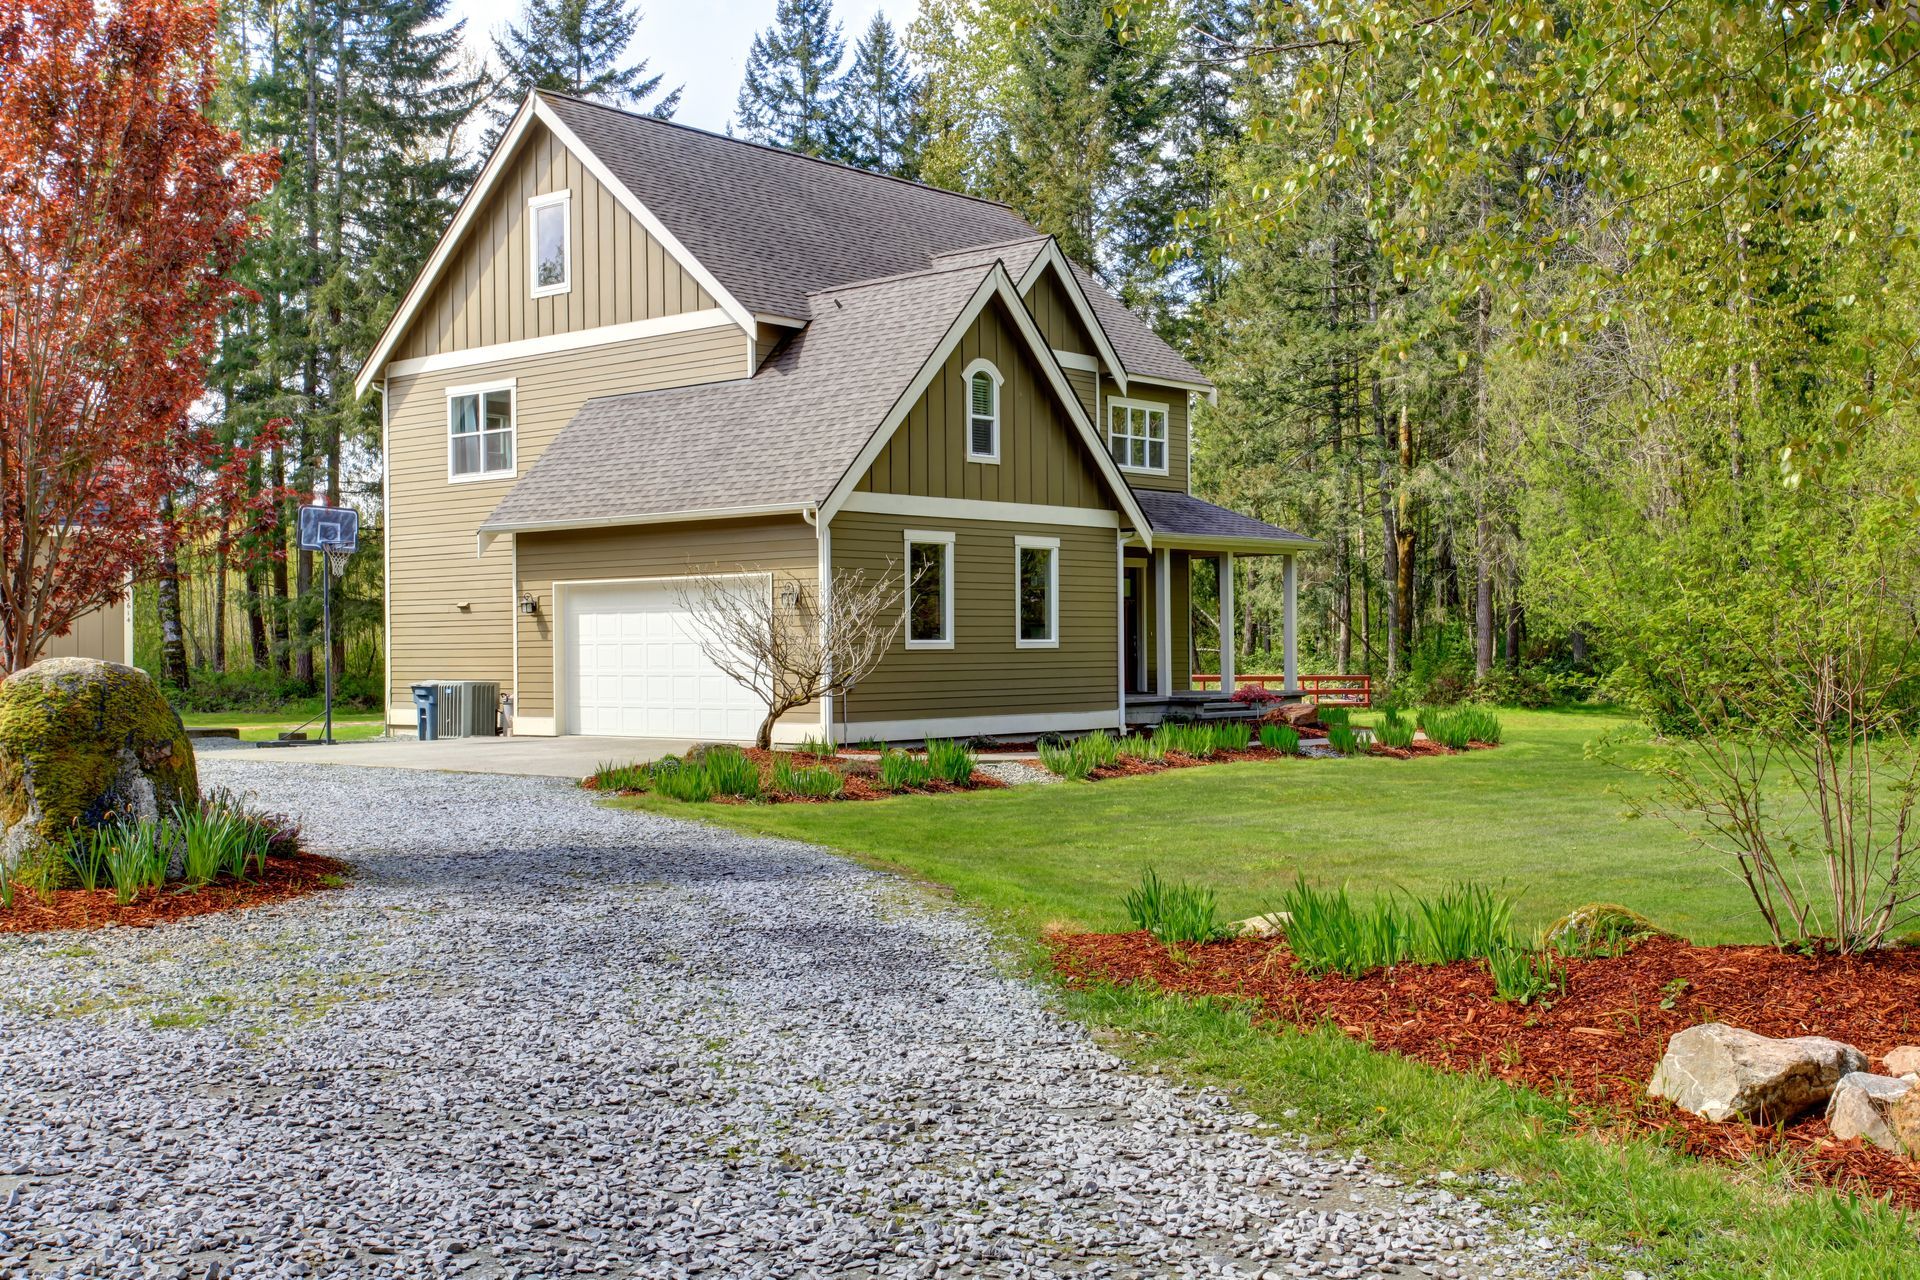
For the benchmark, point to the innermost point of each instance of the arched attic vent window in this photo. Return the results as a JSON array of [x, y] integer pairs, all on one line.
[[983, 383]]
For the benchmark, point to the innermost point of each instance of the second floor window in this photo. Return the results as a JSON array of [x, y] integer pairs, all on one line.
[[1137, 434], [550, 228], [479, 432], [983, 412]]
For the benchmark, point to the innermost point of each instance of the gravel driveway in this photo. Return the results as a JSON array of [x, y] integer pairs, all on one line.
[[542, 1038]]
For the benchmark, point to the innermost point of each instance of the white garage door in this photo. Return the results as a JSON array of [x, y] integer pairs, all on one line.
[[635, 669]]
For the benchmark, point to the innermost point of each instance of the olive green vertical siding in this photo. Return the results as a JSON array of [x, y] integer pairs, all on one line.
[[485, 293], [985, 673], [1058, 318], [1177, 430], [787, 547], [1042, 460]]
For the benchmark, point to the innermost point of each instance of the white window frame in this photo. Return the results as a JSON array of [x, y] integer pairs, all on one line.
[[512, 387], [1165, 411], [944, 539], [534, 205], [1024, 542], [966, 387]]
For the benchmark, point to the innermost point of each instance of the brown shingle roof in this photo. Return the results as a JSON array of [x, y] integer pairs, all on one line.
[[775, 227], [784, 436]]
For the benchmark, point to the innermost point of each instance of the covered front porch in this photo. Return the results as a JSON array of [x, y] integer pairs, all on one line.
[[1158, 650]]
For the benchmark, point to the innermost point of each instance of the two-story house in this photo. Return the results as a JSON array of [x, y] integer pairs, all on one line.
[[643, 351]]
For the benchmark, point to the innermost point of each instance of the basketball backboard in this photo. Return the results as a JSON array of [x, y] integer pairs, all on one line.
[[329, 529]]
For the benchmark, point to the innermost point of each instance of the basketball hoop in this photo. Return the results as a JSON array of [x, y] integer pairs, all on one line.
[[337, 558], [334, 532]]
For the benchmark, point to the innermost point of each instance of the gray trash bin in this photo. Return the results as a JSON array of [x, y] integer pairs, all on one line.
[[426, 712]]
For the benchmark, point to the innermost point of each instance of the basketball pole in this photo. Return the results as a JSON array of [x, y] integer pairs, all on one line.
[[326, 639]]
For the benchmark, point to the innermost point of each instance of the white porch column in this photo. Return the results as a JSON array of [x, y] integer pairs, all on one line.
[[1162, 622], [1289, 626], [1226, 624]]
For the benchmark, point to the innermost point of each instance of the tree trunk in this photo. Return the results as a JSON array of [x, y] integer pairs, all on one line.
[[173, 640], [1482, 592], [220, 604], [282, 602], [258, 645], [1404, 536]]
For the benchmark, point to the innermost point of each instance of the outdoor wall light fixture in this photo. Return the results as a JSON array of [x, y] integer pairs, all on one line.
[[529, 603]]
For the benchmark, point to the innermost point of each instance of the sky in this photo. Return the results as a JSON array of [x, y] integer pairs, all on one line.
[[699, 43]]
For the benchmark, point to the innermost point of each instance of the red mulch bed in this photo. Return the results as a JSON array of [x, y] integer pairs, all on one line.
[[1596, 1042], [286, 878]]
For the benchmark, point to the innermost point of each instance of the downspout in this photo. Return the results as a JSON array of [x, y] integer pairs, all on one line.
[[824, 539]]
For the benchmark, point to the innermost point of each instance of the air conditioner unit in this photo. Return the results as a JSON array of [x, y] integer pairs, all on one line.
[[469, 708]]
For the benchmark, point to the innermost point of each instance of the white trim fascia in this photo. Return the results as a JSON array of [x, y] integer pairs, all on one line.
[[1166, 427], [1120, 622], [907, 504], [785, 322], [126, 623], [449, 240], [1074, 360], [942, 538], [981, 364], [1240, 546], [997, 283], [512, 387], [1051, 255], [1031, 542], [485, 535], [823, 535], [984, 726], [655, 228], [555, 343], [535, 203], [1162, 622], [513, 614], [535, 726], [386, 557]]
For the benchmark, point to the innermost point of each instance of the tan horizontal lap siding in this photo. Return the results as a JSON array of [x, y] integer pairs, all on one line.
[[1177, 440], [985, 674], [1042, 460], [432, 522], [485, 296], [785, 547], [98, 633]]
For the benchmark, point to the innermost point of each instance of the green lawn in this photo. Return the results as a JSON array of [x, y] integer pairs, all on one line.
[[1536, 814], [260, 726]]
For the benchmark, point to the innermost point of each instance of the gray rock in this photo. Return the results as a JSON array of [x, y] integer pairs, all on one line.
[[1723, 1073], [1861, 1107], [1904, 1061]]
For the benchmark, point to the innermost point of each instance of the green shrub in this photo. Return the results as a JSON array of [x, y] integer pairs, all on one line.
[[730, 772], [1175, 913], [1232, 735], [1064, 761], [902, 771], [1194, 740], [1523, 975], [136, 854], [1327, 933], [817, 781], [1600, 929], [1395, 729], [1457, 727], [1344, 740], [622, 777], [1138, 746], [1334, 717], [1463, 922], [212, 843], [88, 857], [679, 779], [1283, 738], [950, 761], [1098, 749]]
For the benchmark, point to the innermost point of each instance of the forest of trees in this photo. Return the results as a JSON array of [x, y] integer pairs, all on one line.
[[1535, 314]]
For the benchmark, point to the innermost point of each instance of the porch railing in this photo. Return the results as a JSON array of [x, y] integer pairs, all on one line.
[[1341, 690]]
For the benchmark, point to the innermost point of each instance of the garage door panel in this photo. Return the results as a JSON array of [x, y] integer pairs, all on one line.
[[636, 668]]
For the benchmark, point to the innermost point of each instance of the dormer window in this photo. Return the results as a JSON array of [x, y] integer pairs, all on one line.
[[983, 412], [1137, 435], [550, 227]]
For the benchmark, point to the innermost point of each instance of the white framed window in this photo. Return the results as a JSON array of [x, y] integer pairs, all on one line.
[[1036, 593], [550, 242], [983, 383], [1137, 434], [480, 430], [929, 590]]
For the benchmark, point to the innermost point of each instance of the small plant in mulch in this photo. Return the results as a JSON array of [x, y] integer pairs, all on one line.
[[215, 854], [815, 773], [1176, 913]]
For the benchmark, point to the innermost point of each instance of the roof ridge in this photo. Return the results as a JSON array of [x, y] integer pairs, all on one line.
[[851, 285], [993, 244], [780, 151]]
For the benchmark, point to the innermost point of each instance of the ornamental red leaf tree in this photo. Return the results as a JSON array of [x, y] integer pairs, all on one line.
[[123, 209]]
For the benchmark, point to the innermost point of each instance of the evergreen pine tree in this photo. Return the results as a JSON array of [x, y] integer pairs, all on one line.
[[791, 94], [880, 104], [575, 47]]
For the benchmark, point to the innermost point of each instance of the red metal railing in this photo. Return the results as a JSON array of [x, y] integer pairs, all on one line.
[[1349, 691]]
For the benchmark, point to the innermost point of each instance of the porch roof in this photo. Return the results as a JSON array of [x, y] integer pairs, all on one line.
[[1184, 521]]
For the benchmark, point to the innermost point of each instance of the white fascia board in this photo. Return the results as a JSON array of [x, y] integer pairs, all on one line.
[[1051, 255], [1212, 393], [655, 228], [443, 251], [1240, 546], [997, 284]]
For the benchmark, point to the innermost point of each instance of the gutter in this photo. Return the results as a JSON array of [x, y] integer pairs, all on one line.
[[485, 535]]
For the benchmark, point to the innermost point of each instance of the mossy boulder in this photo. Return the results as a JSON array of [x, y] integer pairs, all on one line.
[[1601, 929], [81, 743]]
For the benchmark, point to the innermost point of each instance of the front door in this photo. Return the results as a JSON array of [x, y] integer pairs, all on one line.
[[1133, 642]]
